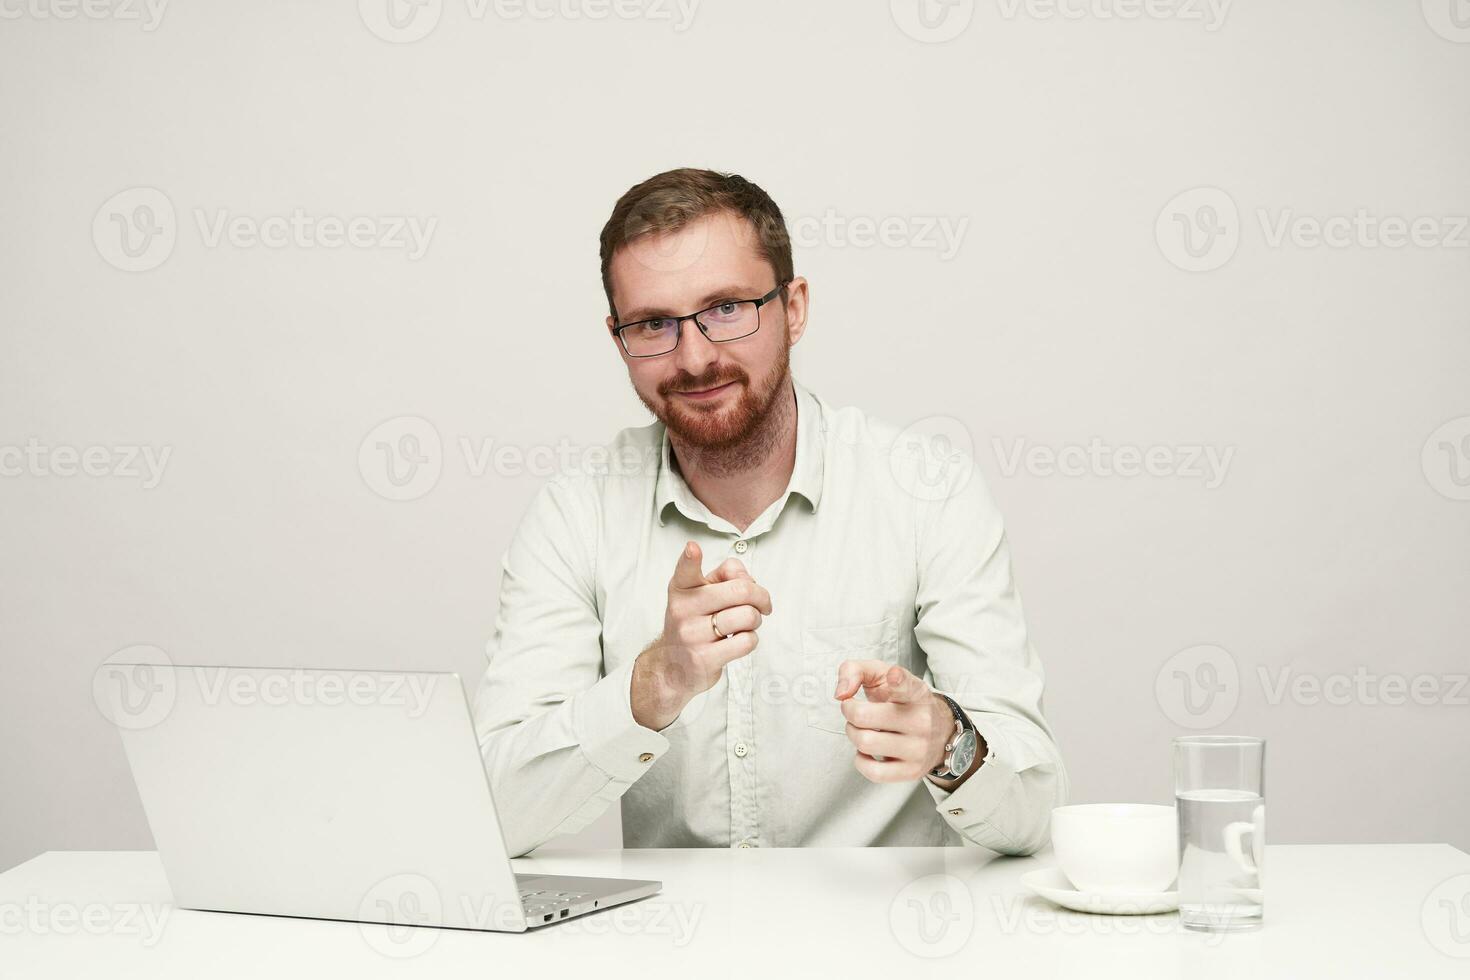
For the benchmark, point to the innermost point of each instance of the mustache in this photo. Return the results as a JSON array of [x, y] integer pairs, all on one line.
[[701, 383]]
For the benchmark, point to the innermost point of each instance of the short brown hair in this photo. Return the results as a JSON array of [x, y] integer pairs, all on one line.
[[668, 201]]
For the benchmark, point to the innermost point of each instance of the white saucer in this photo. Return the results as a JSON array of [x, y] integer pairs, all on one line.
[[1051, 884]]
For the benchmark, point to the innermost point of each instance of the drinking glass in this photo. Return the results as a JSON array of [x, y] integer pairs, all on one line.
[[1219, 790]]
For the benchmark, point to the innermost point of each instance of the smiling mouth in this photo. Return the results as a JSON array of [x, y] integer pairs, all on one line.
[[706, 392]]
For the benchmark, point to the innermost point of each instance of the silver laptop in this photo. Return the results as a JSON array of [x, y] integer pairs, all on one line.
[[329, 794]]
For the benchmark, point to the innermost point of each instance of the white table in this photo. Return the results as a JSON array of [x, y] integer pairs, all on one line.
[[1331, 911]]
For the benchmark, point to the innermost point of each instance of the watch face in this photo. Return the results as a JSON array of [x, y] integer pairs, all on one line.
[[963, 754]]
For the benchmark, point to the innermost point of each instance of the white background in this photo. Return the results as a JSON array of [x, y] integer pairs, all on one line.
[[1334, 548]]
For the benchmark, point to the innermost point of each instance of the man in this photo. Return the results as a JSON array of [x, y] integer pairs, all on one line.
[[691, 638]]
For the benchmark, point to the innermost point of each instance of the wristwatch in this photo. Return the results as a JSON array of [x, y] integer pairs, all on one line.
[[959, 751]]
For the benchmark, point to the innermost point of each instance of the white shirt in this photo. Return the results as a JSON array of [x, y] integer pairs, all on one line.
[[867, 555]]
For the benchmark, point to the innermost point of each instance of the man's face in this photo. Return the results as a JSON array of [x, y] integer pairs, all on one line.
[[709, 395]]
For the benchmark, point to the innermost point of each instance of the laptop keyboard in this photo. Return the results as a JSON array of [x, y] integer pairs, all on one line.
[[541, 905]]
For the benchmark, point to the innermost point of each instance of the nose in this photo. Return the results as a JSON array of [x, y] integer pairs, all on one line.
[[695, 352]]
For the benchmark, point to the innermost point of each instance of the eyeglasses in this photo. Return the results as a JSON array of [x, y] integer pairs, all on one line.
[[728, 320]]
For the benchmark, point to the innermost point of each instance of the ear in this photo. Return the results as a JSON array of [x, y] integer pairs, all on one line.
[[797, 303], [612, 326]]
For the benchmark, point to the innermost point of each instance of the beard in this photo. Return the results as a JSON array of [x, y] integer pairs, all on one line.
[[724, 430]]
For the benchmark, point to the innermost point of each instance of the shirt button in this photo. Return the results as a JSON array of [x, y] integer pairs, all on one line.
[[741, 750], [741, 547], [646, 757], [957, 811]]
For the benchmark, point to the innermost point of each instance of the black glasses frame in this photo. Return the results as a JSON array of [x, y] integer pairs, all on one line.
[[679, 322]]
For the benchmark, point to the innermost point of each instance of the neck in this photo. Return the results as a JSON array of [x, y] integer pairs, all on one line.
[[739, 481]]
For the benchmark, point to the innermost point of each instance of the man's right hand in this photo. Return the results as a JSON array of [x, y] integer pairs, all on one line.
[[686, 660]]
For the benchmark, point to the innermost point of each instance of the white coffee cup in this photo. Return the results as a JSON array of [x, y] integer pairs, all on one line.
[[1117, 848]]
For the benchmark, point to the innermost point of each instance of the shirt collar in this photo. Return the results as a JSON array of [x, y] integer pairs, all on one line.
[[806, 474]]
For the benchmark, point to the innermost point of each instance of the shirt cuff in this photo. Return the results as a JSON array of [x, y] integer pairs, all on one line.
[[971, 804], [602, 721]]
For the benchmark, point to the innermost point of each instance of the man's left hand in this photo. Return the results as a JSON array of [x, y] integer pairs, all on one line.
[[901, 729]]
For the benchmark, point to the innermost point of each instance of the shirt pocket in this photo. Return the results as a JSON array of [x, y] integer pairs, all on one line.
[[823, 649]]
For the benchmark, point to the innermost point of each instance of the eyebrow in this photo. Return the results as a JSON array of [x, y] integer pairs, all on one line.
[[653, 312]]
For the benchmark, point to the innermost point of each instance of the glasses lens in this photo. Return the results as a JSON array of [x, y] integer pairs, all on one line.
[[730, 321], [651, 337]]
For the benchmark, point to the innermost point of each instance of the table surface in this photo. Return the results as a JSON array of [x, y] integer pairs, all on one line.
[[1399, 910]]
